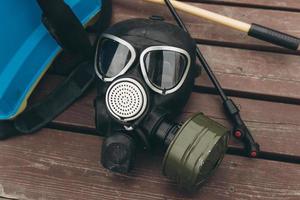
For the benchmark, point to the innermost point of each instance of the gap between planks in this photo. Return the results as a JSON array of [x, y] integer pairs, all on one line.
[[252, 47], [248, 95]]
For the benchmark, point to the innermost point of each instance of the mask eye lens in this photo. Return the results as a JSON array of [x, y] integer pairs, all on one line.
[[165, 68], [112, 58]]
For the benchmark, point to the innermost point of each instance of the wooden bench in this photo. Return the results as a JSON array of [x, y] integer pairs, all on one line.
[[62, 160]]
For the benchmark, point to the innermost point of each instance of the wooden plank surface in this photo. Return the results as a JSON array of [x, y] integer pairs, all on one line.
[[60, 165], [254, 72], [284, 4], [202, 29]]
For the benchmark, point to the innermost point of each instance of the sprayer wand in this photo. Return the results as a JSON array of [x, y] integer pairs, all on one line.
[[241, 131]]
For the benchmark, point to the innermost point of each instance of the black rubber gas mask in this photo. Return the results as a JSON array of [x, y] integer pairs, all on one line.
[[146, 71]]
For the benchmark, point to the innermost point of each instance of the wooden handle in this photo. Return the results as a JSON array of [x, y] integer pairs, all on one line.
[[253, 30], [241, 26]]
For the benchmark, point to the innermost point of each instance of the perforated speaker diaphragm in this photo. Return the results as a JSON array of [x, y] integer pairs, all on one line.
[[126, 99]]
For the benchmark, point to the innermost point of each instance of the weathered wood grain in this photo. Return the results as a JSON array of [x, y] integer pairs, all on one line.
[[284, 4], [254, 72], [61, 165], [202, 29]]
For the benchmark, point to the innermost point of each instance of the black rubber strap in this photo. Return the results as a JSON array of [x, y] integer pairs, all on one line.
[[65, 27], [274, 37], [7, 129], [56, 102], [106, 13], [65, 62]]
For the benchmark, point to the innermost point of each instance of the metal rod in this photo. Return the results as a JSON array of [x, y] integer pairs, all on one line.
[[214, 17], [199, 54]]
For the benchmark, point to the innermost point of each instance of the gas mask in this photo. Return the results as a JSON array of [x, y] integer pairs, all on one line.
[[146, 70]]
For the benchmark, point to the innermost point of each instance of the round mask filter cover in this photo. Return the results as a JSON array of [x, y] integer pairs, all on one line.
[[196, 151], [126, 99]]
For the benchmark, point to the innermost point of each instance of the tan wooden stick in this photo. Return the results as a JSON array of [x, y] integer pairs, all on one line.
[[227, 21]]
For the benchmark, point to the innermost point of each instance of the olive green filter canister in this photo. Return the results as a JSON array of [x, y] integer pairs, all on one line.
[[195, 152]]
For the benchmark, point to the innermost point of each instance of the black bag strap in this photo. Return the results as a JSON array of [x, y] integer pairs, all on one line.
[[38, 115], [65, 27], [7, 129]]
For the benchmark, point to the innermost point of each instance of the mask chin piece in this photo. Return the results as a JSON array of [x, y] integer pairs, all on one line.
[[118, 153]]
